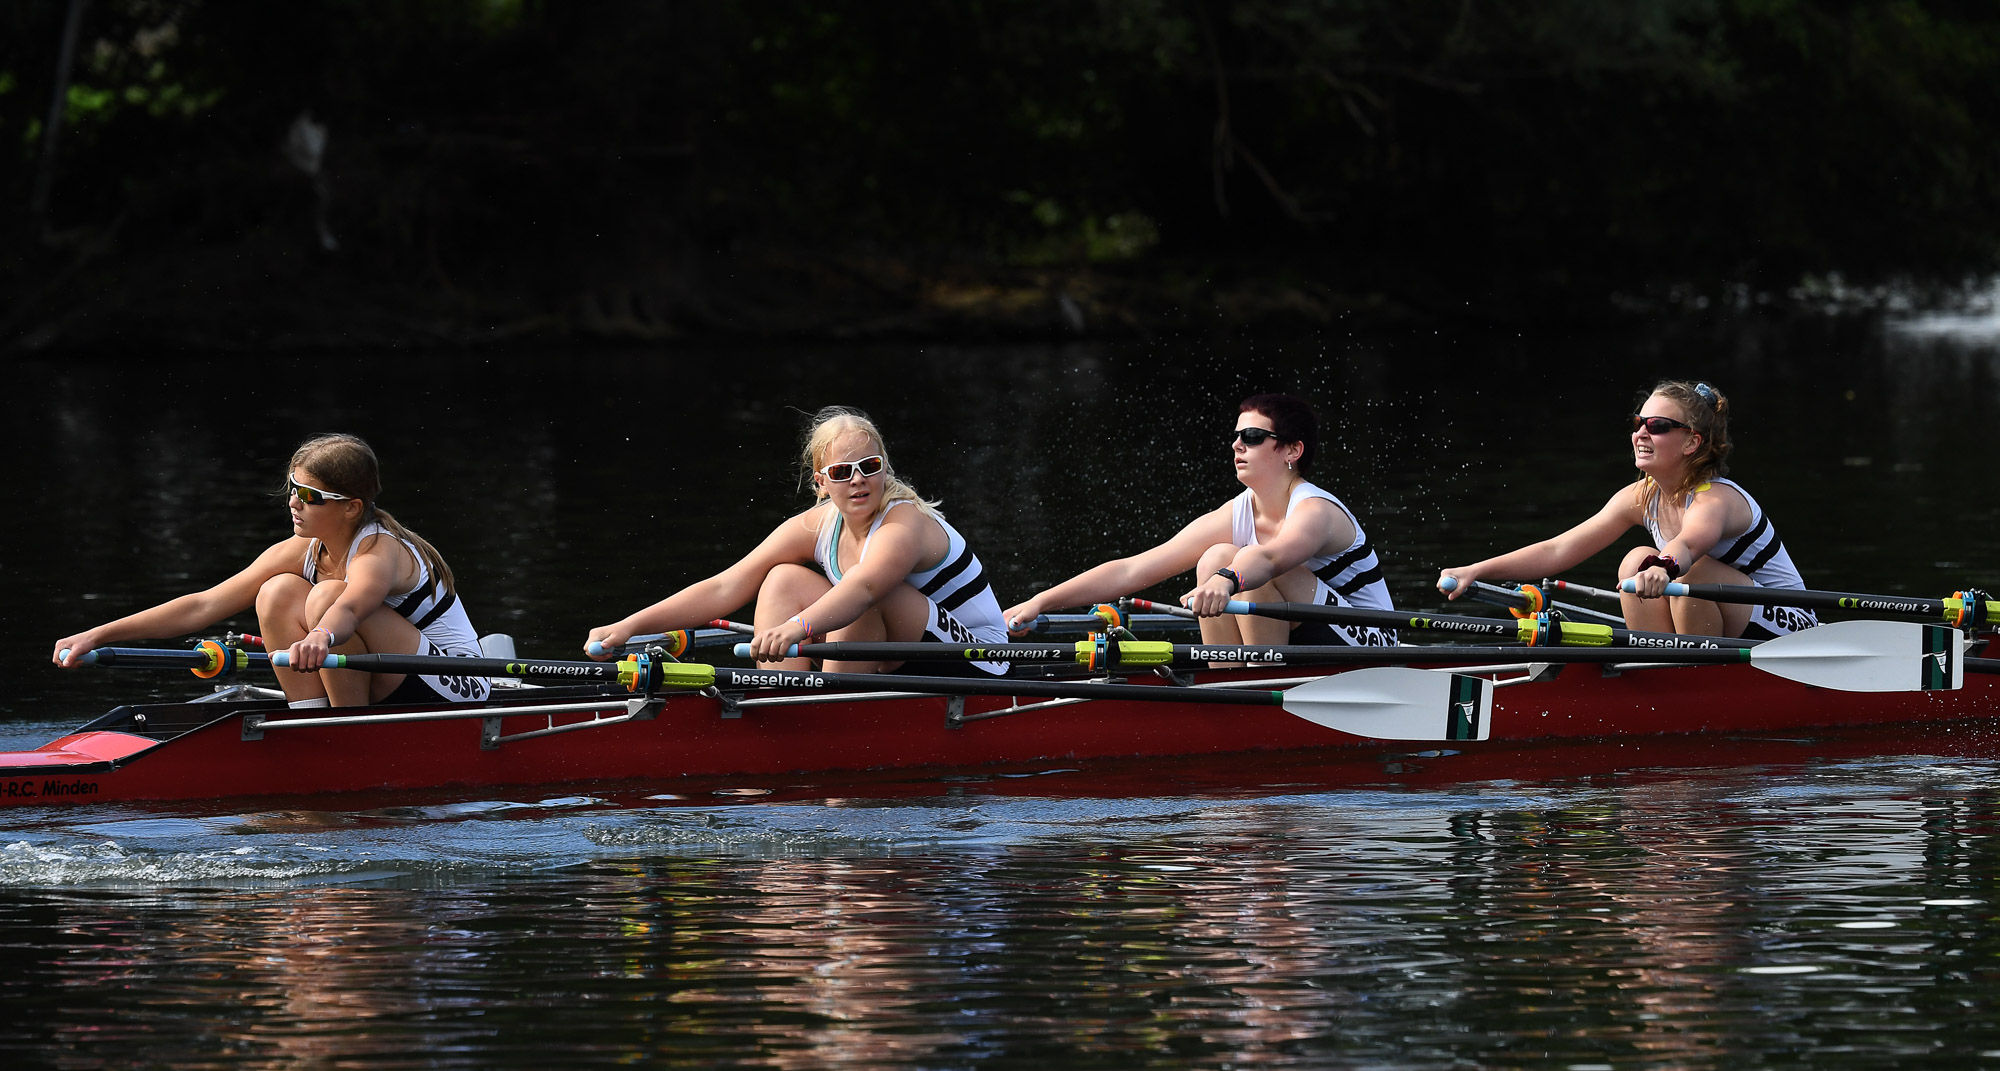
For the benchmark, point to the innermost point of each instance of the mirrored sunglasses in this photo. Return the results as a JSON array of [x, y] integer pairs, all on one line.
[[843, 471]]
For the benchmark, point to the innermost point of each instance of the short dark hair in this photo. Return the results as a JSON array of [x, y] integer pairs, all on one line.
[[1291, 420]]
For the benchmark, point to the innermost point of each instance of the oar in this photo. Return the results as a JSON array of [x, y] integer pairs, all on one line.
[[1963, 609], [1385, 702], [1538, 631], [1527, 600], [634, 672], [1581, 589], [206, 659], [1849, 656]]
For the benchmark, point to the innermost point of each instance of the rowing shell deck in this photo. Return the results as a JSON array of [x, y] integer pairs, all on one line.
[[225, 746]]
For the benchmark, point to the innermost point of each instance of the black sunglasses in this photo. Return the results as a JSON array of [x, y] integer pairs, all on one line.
[[1657, 425], [1254, 436]]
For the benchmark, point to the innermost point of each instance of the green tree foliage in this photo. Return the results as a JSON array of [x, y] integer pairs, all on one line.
[[1566, 147]]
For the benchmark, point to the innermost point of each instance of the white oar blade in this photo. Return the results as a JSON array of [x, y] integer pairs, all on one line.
[[1398, 703], [1868, 656]]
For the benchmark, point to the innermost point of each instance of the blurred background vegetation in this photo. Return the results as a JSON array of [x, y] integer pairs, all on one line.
[[354, 173]]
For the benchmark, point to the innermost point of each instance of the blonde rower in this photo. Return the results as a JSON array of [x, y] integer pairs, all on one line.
[[871, 560]]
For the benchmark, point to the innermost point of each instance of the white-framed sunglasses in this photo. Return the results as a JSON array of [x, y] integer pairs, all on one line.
[[312, 496], [843, 471]]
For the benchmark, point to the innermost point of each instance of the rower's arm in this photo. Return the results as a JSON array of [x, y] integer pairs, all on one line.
[[1552, 556], [717, 596], [1123, 576], [194, 611], [1312, 525]]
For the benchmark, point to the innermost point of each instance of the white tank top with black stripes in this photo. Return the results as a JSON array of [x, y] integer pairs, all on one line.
[[1757, 553], [956, 584], [437, 613], [1355, 574]]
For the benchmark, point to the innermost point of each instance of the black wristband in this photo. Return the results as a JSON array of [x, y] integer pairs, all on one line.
[[1235, 582]]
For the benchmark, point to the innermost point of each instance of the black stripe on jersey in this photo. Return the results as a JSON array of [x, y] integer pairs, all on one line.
[[1745, 542], [944, 576], [1361, 580], [1770, 552], [973, 589], [1339, 565]]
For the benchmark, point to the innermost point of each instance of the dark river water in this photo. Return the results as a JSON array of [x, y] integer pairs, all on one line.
[[1821, 901]]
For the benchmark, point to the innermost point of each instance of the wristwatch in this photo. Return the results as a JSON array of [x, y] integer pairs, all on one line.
[[1235, 582]]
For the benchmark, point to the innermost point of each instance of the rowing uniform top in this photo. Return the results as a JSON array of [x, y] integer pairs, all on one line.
[[964, 608], [437, 614], [1352, 577], [1354, 574], [1758, 554]]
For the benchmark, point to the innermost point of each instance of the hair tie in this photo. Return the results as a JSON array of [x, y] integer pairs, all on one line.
[[1707, 395]]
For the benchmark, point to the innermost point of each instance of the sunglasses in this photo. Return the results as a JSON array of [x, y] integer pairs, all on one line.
[[843, 471], [1656, 425], [311, 496], [1254, 436]]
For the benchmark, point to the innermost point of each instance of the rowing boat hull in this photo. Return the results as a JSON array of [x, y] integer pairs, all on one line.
[[692, 735]]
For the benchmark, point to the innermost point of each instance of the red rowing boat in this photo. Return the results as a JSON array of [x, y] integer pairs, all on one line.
[[244, 741]]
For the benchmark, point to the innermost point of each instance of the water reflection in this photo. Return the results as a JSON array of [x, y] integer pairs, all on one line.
[[1630, 923]]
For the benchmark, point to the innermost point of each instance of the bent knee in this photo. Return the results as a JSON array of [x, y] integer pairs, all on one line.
[[324, 595], [1629, 565], [1216, 557], [286, 590], [790, 581]]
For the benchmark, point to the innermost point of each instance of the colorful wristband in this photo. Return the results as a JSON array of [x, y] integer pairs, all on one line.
[[806, 624]]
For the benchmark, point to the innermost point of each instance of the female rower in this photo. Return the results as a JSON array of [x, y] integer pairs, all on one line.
[[869, 561], [350, 580], [1282, 539], [1705, 529]]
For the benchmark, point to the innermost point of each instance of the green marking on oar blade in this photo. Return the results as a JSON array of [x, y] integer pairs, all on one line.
[[1940, 650], [1462, 721]]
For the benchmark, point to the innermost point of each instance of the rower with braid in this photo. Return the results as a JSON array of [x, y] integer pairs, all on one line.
[[871, 560], [1705, 529], [1283, 539], [350, 580]]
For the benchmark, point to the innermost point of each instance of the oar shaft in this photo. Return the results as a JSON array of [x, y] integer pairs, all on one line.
[[1982, 611], [731, 678], [1132, 653], [1581, 589], [158, 658], [448, 666], [1527, 630]]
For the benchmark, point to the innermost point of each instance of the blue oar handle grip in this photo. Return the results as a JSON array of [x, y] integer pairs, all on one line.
[[1448, 584], [743, 650], [281, 659], [87, 658], [595, 648], [1631, 587], [1238, 606]]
